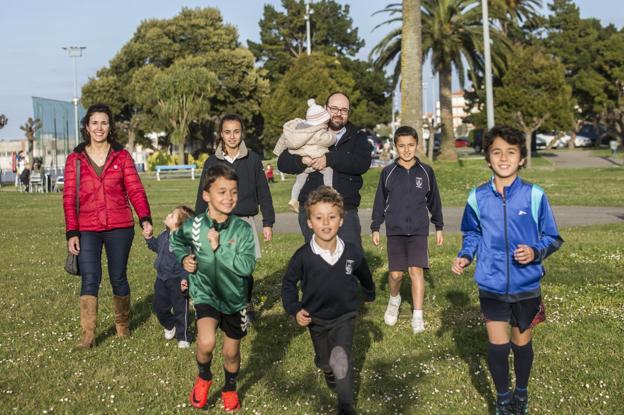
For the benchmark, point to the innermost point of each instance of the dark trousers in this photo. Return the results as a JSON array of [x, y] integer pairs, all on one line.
[[333, 340], [167, 296], [350, 231], [117, 243]]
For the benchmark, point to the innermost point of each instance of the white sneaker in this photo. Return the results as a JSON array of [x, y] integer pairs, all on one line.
[[392, 311], [418, 324], [183, 345], [170, 334]]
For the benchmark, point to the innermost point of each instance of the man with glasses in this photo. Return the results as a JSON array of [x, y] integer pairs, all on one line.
[[350, 158]]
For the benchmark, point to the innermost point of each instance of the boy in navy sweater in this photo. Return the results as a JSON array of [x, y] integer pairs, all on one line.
[[168, 292], [406, 194], [328, 270], [509, 226]]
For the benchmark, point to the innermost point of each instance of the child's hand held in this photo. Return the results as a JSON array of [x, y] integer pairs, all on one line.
[[303, 318], [183, 285], [459, 264], [189, 263]]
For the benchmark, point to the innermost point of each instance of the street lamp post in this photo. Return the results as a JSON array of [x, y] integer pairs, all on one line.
[[489, 96], [309, 11], [74, 53]]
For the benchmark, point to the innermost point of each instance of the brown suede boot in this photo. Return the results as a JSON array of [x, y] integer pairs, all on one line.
[[88, 320], [121, 306]]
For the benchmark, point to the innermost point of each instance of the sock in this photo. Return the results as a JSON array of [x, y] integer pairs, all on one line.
[[418, 314], [395, 300], [230, 381], [523, 361], [498, 362], [204, 370]]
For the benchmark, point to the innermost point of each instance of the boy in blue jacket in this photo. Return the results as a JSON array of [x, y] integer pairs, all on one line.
[[509, 225]]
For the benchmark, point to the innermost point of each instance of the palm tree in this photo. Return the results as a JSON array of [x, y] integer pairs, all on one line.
[[411, 67], [511, 13], [30, 128], [452, 35]]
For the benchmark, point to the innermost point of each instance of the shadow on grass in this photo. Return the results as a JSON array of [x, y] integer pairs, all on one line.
[[140, 313], [366, 332], [470, 337], [267, 291]]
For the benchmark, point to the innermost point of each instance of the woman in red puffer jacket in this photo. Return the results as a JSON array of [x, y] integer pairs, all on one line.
[[108, 184]]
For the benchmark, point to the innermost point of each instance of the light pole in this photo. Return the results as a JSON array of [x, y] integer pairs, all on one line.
[[74, 53], [489, 96], [309, 11]]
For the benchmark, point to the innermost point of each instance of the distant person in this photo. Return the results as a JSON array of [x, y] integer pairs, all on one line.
[[509, 226], [221, 263], [24, 176], [310, 139], [406, 194], [170, 287], [253, 188], [109, 183], [269, 174], [328, 272], [350, 158]]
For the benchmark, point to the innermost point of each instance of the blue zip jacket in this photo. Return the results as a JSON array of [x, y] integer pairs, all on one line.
[[493, 226], [166, 265]]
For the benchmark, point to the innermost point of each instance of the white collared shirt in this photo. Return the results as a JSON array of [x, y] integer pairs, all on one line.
[[340, 133], [231, 159], [330, 258]]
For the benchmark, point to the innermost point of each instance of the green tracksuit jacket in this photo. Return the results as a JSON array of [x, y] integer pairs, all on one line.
[[222, 276]]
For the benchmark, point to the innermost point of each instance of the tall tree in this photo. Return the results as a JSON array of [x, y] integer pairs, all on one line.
[[30, 128], [411, 67], [452, 36], [159, 43], [593, 57], [283, 34], [3, 121], [534, 94]]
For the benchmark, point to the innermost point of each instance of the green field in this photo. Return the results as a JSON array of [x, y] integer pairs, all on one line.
[[578, 351]]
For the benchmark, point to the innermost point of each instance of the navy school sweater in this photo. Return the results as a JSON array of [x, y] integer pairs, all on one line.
[[328, 291], [165, 263]]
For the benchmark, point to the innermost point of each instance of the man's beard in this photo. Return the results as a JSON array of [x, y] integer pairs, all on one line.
[[336, 126]]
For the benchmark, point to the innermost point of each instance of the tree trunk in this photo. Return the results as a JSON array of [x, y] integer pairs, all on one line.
[[447, 151], [528, 133], [411, 68]]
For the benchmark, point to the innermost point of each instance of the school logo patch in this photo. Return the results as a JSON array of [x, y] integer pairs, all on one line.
[[419, 182], [349, 266]]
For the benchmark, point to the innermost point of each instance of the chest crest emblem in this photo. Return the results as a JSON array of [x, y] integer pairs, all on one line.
[[349, 266], [419, 182]]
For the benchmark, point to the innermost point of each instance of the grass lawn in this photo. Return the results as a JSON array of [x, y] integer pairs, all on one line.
[[578, 352]]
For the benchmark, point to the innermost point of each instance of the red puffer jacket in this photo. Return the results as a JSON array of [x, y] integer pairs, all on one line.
[[103, 200]]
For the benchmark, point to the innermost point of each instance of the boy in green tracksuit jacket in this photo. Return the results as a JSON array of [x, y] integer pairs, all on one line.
[[222, 259]]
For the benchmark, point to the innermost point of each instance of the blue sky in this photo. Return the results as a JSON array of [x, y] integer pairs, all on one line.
[[33, 32]]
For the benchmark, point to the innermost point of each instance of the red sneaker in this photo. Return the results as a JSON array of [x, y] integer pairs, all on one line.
[[230, 401], [199, 394]]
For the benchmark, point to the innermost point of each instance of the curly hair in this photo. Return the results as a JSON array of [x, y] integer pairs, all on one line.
[[324, 194]]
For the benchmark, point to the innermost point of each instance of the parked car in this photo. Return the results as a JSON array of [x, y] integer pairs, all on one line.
[[461, 142], [544, 139], [597, 132]]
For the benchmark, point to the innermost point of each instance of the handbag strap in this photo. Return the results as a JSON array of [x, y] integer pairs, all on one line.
[[77, 186]]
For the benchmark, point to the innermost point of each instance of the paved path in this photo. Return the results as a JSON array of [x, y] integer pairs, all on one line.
[[566, 216], [578, 158]]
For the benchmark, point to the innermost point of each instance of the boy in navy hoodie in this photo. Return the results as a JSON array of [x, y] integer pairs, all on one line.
[[329, 271], [168, 295], [509, 226]]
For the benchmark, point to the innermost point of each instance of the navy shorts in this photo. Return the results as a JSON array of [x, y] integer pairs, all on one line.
[[523, 314], [407, 251], [233, 325]]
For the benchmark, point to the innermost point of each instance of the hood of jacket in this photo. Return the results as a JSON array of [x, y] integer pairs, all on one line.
[[242, 151]]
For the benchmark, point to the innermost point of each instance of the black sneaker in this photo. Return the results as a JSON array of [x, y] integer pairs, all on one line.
[[520, 406], [346, 409], [504, 408], [330, 379], [250, 312]]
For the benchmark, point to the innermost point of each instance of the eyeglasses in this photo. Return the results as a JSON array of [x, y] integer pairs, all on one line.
[[336, 110]]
